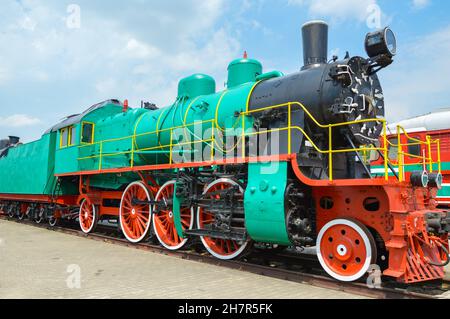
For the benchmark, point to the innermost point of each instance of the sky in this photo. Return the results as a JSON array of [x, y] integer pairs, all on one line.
[[59, 57]]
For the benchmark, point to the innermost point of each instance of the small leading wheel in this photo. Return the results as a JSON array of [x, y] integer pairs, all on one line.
[[23, 211], [135, 212], [164, 222], [87, 217], [53, 221], [220, 248], [39, 218], [11, 211], [346, 249], [21, 216]]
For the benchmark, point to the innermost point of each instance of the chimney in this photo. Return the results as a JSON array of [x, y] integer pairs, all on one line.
[[315, 44], [13, 140]]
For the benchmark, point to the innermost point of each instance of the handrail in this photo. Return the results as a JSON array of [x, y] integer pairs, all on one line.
[[427, 157], [330, 151]]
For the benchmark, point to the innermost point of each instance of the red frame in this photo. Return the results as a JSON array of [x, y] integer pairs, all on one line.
[[399, 221]]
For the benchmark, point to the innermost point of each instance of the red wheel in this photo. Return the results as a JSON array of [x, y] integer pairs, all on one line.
[[12, 211], [23, 211], [39, 218], [346, 249], [220, 248], [163, 219], [87, 217], [135, 217]]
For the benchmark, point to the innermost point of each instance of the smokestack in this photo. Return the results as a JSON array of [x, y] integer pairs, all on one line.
[[13, 140], [315, 44]]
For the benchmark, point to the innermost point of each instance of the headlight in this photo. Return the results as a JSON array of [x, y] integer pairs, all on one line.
[[381, 42]]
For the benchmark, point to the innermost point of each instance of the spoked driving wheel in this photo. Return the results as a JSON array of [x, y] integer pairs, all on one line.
[[135, 212], [23, 211], [163, 218], [88, 217], [346, 249], [224, 249]]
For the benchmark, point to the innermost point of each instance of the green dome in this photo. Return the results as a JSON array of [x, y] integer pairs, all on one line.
[[196, 85], [242, 71]]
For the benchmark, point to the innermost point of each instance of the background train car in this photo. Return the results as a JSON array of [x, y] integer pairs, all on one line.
[[425, 147], [28, 181]]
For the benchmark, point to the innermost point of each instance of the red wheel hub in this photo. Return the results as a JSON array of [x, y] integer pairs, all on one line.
[[87, 216], [220, 248], [346, 249], [164, 221], [135, 216]]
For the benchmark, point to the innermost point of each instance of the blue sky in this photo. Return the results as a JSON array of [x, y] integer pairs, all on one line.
[[57, 59]]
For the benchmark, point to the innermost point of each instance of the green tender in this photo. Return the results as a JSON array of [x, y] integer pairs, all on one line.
[[29, 168]]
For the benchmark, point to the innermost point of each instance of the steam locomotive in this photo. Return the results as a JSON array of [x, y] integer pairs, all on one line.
[[274, 159]]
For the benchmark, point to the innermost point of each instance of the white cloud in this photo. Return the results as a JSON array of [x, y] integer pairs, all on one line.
[[4, 74], [106, 87], [140, 50], [337, 9], [144, 48], [417, 82], [19, 120], [420, 4]]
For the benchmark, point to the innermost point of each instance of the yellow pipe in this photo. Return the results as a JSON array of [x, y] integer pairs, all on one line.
[[330, 154], [216, 116], [289, 105], [386, 152], [213, 137], [132, 153], [430, 156], [101, 157], [399, 155], [438, 145], [289, 130], [243, 137], [250, 95]]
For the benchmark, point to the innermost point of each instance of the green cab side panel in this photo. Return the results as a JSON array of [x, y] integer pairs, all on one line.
[[66, 158], [264, 202], [28, 168]]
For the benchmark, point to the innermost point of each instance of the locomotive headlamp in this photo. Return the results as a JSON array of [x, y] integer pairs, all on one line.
[[419, 179], [381, 42], [436, 180]]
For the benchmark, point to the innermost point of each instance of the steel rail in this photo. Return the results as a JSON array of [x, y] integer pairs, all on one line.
[[315, 280]]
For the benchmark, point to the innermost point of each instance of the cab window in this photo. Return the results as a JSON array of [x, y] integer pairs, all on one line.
[[71, 136], [393, 149], [67, 136], [374, 156], [414, 149], [64, 137], [87, 133]]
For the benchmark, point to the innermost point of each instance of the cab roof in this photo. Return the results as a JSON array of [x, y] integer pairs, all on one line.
[[76, 118]]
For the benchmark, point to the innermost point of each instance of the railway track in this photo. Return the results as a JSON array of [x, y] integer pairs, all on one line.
[[293, 267]]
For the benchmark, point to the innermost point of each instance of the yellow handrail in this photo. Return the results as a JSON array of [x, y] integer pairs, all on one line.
[[330, 127], [425, 159], [330, 151]]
